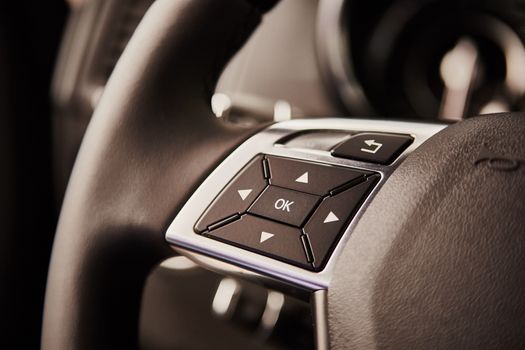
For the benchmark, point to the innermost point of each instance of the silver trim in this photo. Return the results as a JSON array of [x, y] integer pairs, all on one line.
[[319, 303], [232, 260]]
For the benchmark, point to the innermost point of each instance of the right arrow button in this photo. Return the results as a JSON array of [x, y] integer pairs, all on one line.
[[266, 236], [330, 219]]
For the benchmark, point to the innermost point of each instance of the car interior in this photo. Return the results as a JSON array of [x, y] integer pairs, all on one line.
[[262, 174]]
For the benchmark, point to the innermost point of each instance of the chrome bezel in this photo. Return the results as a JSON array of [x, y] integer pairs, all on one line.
[[229, 259]]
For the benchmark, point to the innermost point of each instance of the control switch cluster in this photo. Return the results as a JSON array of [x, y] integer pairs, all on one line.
[[291, 210]]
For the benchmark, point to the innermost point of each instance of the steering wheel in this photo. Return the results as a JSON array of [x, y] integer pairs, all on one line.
[[434, 256]]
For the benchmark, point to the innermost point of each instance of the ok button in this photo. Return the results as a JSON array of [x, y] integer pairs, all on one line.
[[284, 205]]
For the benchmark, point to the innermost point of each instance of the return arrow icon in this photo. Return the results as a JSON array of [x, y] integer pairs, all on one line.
[[373, 146]]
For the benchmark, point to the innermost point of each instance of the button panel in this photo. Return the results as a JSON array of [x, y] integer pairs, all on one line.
[[225, 256], [373, 147], [284, 205], [288, 209]]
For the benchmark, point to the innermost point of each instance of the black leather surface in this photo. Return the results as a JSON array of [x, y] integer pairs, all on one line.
[[438, 259], [152, 140]]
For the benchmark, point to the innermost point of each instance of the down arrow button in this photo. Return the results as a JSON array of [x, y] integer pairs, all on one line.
[[265, 237]]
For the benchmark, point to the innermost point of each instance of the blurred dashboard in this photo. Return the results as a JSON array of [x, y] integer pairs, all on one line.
[[277, 71]]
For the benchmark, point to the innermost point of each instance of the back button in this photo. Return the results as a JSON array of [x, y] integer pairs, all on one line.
[[266, 237], [373, 147]]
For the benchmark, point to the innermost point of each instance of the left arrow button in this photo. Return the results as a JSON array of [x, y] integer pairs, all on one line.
[[236, 197]]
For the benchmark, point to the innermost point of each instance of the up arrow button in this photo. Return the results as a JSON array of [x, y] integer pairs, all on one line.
[[308, 177], [303, 178]]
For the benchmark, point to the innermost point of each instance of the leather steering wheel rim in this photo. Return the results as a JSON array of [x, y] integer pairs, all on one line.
[[151, 141]]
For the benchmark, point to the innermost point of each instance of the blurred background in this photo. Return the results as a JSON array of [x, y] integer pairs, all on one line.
[[433, 60]]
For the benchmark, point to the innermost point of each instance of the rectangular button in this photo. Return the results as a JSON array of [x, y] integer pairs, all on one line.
[[281, 204], [373, 147]]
